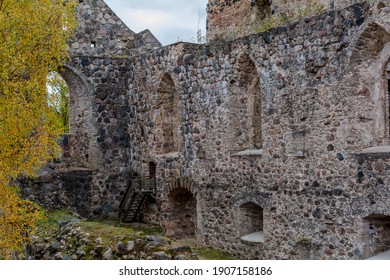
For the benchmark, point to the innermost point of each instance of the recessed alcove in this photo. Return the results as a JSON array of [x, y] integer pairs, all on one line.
[[182, 211], [251, 223], [376, 236], [245, 107], [167, 117]]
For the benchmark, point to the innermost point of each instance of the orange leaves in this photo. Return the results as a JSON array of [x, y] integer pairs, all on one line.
[[33, 42], [35, 36], [17, 220]]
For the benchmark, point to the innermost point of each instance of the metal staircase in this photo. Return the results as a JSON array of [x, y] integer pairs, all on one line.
[[138, 191]]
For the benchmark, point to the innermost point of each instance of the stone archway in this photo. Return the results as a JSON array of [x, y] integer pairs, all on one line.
[[182, 209], [80, 144], [372, 51]]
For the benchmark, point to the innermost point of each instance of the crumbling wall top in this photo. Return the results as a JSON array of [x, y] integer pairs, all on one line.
[[101, 32]]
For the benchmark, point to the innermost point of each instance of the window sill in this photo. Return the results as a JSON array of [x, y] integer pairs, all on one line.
[[169, 156], [382, 256], [249, 152], [376, 150], [373, 152], [256, 237]]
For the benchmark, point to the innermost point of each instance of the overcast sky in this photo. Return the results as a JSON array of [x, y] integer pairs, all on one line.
[[169, 20]]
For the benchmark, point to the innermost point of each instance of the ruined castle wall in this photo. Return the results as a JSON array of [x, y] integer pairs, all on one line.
[[229, 19], [285, 6], [98, 144], [278, 125], [101, 32], [313, 191]]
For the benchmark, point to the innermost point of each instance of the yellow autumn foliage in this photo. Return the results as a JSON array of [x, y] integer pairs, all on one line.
[[33, 42]]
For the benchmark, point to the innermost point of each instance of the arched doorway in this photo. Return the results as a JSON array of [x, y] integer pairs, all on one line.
[[181, 209]]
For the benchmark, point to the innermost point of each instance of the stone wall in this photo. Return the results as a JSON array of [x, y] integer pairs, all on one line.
[[285, 124], [234, 18], [101, 32], [97, 76], [231, 19], [303, 175]]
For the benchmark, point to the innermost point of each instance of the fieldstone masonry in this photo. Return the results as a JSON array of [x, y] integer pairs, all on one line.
[[231, 19], [282, 132]]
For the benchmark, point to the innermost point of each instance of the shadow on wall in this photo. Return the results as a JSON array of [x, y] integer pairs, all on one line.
[[376, 235], [182, 212]]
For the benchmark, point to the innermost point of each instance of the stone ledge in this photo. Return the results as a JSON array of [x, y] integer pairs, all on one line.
[[256, 237], [252, 152], [375, 150], [169, 156], [381, 256]]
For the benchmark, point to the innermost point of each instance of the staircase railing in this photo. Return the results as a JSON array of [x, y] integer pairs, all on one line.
[[138, 190]]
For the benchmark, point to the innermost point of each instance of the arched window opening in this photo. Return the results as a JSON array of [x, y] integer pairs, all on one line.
[[245, 107], [167, 116], [376, 235], [251, 222], [58, 99], [183, 217], [70, 94]]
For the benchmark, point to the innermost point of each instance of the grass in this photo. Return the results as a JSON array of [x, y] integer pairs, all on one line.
[[109, 231], [212, 254], [50, 223], [112, 232]]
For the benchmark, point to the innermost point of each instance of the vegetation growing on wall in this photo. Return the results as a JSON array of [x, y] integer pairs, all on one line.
[[34, 42], [263, 8], [262, 18], [290, 14]]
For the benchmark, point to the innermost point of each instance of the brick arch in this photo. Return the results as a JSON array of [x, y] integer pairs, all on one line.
[[247, 68], [182, 183]]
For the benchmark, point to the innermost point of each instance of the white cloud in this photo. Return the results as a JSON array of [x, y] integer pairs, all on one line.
[[156, 19], [168, 20]]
